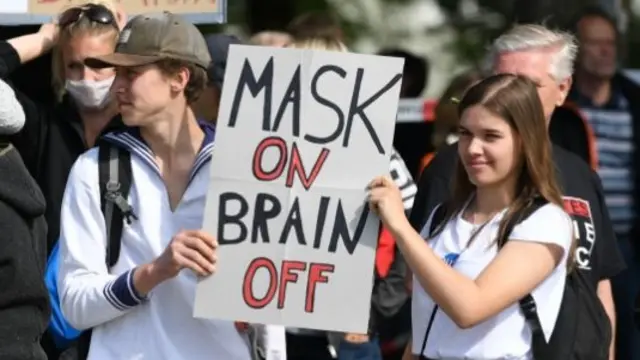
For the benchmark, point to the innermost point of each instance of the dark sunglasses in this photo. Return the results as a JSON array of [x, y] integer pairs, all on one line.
[[95, 13]]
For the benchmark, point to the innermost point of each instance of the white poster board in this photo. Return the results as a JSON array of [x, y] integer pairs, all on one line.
[[40, 11], [300, 134]]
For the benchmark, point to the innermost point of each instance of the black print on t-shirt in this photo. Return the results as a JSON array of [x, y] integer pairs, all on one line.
[[580, 212]]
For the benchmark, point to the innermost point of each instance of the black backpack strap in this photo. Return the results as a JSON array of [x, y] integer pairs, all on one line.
[[527, 303], [115, 178], [439, 215]]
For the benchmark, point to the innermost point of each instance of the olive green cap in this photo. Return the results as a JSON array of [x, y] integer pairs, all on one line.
[[149, 38]]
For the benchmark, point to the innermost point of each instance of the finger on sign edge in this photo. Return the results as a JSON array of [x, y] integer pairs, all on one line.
[[375, 183], [201, 246], [201, 234], [197, 262]]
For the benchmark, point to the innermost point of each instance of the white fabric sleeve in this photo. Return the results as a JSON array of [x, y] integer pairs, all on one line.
[[549, 225], [89, 295], [403, 179], [271, 342], [12, 115]]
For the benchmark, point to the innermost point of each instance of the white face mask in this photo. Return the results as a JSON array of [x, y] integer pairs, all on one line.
[[90, 94]]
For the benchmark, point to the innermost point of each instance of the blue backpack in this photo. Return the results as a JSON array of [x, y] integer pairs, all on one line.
[[114, 167]]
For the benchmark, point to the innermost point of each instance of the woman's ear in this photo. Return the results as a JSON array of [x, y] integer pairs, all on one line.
[[121, 17]]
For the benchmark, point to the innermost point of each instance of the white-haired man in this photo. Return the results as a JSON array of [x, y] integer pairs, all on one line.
[[546, 57]]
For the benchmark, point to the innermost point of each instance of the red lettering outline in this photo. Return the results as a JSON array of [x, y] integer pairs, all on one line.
[[276, 172], [286, 276], [316, 276], [247, 283], [296, 166]]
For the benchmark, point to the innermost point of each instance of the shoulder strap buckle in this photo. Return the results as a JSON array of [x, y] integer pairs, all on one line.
[[115, 177]]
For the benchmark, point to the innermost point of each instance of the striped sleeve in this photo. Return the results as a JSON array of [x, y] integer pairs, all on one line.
[[89, 294], [403, 179]]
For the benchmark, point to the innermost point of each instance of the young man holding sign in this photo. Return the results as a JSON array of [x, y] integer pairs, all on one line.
[[143, 305]]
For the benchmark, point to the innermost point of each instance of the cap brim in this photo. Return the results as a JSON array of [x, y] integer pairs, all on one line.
[[120, 59]]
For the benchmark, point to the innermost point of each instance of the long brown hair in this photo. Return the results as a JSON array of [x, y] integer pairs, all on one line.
[[515, 99]]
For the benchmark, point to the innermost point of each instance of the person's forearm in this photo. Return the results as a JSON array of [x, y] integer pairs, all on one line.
[[31, 46], [88, 299], [145, 278], [447, 287], [606, 298]]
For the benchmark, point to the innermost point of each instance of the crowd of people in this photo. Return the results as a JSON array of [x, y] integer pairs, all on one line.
[[514, 241]]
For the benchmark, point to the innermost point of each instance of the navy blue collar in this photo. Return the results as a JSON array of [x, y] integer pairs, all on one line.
[[130, 139]]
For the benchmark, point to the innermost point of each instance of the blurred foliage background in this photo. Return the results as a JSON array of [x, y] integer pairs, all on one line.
[[452, 34]]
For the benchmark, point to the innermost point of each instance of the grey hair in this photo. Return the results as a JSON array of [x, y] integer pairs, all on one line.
[[537, 37]]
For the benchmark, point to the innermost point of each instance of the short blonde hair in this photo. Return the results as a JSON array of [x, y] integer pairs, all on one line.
[[81, 27], [320, 43]]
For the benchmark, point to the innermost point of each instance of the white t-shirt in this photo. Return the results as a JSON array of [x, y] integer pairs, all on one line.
[[506, 335]]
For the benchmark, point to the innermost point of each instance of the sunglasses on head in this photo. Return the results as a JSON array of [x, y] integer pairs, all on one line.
[[95, 13]]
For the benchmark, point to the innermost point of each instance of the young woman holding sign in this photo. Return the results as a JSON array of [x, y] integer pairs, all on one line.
[[388, 295], [468, 282]]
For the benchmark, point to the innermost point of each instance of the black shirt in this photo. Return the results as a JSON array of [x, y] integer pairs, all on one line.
[[566, 120], [597, 253]]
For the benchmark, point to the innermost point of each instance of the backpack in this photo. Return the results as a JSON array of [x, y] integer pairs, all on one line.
[[114, 169], [582, 330]]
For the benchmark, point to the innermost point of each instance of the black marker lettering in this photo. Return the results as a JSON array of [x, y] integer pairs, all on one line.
[[341, 230], [248, 79], [355, 109], [291, 96], [323, 101], [267, 207], [225, 219], [294, 220]]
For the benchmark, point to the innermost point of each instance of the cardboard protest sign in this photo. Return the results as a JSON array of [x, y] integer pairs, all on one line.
[[131, 7], [17, 12], [300, 134]]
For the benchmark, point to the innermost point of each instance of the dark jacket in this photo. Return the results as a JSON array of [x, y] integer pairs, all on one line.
[[50, 142], [571, 131], [24, 301]]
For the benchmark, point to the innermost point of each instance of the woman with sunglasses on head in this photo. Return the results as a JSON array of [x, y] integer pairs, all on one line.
[[503, 236], [54, 135]]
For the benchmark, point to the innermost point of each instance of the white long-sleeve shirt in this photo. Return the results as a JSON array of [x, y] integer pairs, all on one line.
[[12, 115], [125, 325]]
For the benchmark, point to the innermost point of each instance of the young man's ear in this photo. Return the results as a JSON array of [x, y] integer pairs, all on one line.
[[180, 80]]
